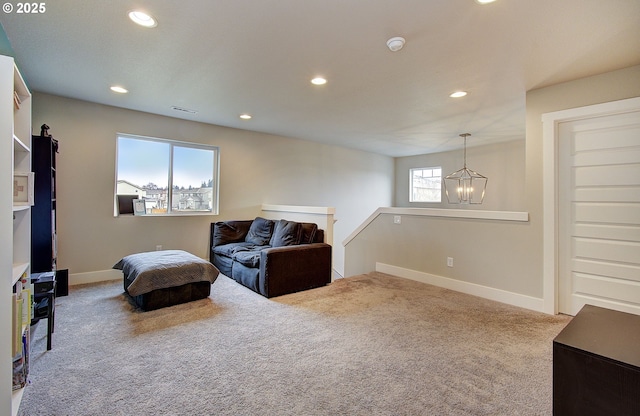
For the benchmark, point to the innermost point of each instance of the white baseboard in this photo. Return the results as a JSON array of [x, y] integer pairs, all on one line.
[[335, 275], [93, 277], [515, 299]]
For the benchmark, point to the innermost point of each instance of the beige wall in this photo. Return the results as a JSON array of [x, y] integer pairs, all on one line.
[[611, 86], [255, 169], [502, 255], [502, 163], [259, 168]]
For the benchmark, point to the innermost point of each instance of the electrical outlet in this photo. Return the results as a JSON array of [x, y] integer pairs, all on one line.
[[397, 219], [158, 247], [449, 261]]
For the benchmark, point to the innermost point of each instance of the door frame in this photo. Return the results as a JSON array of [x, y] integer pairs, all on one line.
[[550, 199]]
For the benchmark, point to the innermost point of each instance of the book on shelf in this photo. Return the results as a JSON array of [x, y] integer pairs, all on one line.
[[21, 364], [14, 323], [19, 373], [22, 305], [22, 302], [16, 345], [26, 306]]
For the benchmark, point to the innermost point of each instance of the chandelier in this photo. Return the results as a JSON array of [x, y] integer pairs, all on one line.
[[465, 186]]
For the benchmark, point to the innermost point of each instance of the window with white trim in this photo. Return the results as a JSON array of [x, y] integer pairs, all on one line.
[[169, 176], [425, 184]]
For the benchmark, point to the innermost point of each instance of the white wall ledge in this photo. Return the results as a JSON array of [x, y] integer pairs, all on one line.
[[439, 212], [300, 209]]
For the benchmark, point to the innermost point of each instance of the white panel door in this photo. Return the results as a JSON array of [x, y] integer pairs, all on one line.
[[599, 213]]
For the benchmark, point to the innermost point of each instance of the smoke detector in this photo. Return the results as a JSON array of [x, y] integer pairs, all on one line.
[[395, 44]]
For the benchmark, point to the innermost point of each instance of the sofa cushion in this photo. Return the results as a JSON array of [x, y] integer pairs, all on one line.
[[248, 258], [225, 232], [260, 231], [247, 276], [319, 237], [223, 263], [308, 234], [286, 233], [228, 250]]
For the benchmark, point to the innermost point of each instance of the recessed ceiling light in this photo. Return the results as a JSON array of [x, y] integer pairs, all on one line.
[[119, 89], [484, 1], [245, 116], [458, 94], [142, 18], [318, 81]]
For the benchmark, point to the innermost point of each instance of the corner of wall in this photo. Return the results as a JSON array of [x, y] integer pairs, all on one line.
[[5, 45]]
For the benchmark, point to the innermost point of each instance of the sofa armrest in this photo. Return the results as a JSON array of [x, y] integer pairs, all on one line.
[[295, 268]]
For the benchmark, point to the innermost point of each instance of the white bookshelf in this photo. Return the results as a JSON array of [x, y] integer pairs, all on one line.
[[15, 154]]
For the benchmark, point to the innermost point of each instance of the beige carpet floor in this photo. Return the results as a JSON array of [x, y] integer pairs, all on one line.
[[365, 345]]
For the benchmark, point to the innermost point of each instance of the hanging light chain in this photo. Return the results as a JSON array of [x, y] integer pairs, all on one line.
[[465, 135]]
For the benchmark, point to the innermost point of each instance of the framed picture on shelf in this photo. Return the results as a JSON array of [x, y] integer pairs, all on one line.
[[23, 188], [139, 207]]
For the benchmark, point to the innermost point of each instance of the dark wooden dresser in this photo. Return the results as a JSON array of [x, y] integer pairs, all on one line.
[[596, 364]]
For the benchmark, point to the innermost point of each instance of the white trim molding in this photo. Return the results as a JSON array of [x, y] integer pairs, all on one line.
[[300, 209], [498, 295], [323, 216], [550, 136], [440, 212], [94, 277]]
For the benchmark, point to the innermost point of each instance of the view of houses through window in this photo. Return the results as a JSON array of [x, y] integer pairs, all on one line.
[[169, 176], [426, 184]]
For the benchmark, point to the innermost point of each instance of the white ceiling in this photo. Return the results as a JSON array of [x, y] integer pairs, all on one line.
[[224, 58]]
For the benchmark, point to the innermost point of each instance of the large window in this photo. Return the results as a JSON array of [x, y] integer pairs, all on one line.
[[426, 184], [171, 177]]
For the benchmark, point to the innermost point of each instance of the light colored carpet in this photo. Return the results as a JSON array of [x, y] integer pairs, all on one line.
[[365, 345]]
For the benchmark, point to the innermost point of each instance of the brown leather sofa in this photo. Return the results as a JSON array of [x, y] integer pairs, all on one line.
[[271, 257]]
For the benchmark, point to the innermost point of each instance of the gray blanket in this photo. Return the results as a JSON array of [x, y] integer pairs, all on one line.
[[144, 272]]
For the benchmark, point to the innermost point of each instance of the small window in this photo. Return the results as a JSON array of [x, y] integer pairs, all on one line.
[[173, 178], [425, 184]]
